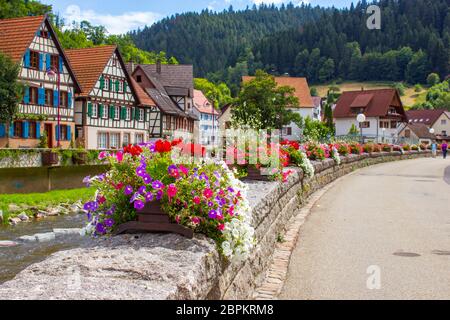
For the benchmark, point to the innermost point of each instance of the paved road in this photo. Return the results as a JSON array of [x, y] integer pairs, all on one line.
[[393, 218]]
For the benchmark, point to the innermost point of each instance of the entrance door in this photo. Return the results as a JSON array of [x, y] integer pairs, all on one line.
[[48, 129]]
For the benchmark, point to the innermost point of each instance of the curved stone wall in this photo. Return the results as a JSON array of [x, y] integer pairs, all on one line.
[[156, 266]]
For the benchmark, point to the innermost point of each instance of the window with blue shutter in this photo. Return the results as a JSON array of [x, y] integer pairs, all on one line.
[[41, 61], [69, 133], [26, 95], [26, 60], [41, 96], [48, 61], [61, 65], [57, 132], [55, 98], [69, 99], [2, 130], [25, 129], [38, 130]]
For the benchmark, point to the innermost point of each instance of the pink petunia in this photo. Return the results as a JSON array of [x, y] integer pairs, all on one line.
[[172, 191], [207, 193], [221, 227], [184, 170], [196, 200], [119, 156]]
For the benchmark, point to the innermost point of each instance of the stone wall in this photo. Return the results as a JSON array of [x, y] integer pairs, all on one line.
[[155, 266]]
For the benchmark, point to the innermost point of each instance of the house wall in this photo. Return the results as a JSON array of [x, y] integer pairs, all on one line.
[[439, 127]]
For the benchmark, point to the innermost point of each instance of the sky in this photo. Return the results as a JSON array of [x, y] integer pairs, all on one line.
[[120, 16]]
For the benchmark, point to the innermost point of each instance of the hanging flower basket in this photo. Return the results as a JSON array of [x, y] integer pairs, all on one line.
[[153, 219], [49, 158], [80, 158]]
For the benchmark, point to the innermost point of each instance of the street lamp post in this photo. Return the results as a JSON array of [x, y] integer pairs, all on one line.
[[53, 72], [361, 118], [383, 130]]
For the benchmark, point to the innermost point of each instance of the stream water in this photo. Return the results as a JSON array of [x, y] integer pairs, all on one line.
[[15, 259]]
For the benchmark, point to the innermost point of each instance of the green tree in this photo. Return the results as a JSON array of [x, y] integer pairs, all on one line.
[[353, 130], [313, 91], [22, 8], [314, 130], [10, 88], [433, 79], [219, 94], [261, 104]]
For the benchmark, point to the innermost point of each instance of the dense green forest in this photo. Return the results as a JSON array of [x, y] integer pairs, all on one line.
[[322, 44]]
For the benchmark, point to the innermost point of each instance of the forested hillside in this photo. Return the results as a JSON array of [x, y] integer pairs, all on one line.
[[213, 41], [322, 44]]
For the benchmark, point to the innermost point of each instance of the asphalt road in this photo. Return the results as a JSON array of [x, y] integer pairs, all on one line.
[[381, 233]]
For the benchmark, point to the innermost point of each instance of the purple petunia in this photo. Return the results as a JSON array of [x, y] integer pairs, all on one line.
[[128, 190], [109, 223], [147, 179], [140, 171], [149, 197], [100, 228], [134, 197], [159, 195], [142, 190], [212, 214], [157, 185], [87, 181], [139, 205], [91, 206]]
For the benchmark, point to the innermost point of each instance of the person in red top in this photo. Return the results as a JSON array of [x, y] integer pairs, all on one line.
[[444, 149]]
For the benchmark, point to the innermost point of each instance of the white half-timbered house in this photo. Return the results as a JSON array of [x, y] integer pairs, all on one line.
[[48, 96], [108, 112]]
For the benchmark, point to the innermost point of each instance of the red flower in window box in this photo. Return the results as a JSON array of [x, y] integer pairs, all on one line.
[[133, 150], [163, 146]]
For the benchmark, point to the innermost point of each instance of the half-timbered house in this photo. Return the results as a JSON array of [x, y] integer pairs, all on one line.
[[172, 89], [108, 112], [49, 85]]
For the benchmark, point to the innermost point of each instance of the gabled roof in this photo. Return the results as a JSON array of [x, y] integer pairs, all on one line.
[[17, 34], [202, 104], [142, 97], [422, 131], [177, 79], [375, 102], [89, 63], [428, 117], [302, 91]]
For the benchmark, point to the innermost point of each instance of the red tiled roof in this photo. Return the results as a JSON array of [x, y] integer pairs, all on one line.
[[202, 104], [375, 102], [428, 117], [143, 98], [16, 35], [302, 91], [89, 63], [421, 131]]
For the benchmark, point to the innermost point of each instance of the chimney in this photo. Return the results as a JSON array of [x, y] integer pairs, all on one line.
[[158, 66], [132, 66]]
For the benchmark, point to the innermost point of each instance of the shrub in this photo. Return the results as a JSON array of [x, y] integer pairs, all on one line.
[[407, 147], [355, 148], [368, 148]]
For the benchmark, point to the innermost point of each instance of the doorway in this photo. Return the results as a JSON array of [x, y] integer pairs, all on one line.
[[48, 130]]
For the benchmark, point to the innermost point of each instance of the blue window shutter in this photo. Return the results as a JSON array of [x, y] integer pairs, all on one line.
[[2, 130], [11, 129], [27, 59], [55, 98], [38, 130], [69, 98], [41, 96], [26, 95], [69, 134], [25, 129], [57, 132], [60, 64], [41, 61], [48, 61]]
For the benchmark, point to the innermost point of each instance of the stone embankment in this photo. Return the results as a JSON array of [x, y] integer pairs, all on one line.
[[157, 266]]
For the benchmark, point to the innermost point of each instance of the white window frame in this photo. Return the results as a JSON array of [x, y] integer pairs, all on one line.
[[121, 86], [141, 115], [94, 110], [105, 114], [99, 140], [128, 135], [116, 112], [128, 117], [136, 135], [113, 142]]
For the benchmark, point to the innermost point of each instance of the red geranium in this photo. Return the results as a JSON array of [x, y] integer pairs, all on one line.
[[163, 146], [133, 150]]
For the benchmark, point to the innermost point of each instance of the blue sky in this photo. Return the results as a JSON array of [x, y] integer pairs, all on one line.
[[120, 16]]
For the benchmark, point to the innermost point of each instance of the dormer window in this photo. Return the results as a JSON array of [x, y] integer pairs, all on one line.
[[139, 79], [44, 34]]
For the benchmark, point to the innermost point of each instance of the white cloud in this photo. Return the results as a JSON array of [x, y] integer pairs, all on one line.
[[115, 24]]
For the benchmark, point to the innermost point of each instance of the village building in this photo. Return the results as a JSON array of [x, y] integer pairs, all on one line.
[[109, 113], [416, 133], [47, 108], [438, 120], [306, 104], [171, 87], [209, 119], [382, 108], [317, 112]]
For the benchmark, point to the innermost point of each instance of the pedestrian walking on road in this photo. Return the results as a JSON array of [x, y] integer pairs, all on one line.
[[434, 149], [444, 149]]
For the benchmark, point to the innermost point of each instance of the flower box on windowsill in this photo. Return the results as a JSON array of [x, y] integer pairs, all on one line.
[[153, 219], [49, 158], [80, 158]]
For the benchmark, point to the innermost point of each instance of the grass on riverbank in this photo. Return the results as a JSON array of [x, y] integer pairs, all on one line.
[[42, 200]]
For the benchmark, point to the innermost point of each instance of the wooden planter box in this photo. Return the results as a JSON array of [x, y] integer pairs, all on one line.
[[255, 175], [153, 220], [80, 158], [49, 158]]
